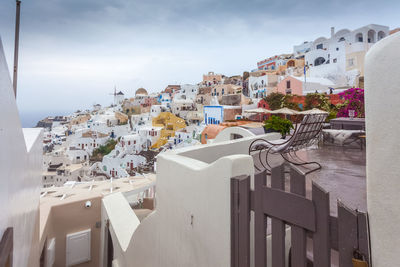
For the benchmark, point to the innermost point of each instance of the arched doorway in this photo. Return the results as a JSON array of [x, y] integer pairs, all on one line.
[[290, 63], [359, 37], [319, 61], [371, 36], [381, 35]]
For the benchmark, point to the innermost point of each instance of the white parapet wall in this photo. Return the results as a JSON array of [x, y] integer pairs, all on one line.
[[191, 223], [382, 91], [229, 133]]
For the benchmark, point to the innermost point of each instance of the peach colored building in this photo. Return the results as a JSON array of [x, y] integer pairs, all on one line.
[[301, 86], [290, 85]]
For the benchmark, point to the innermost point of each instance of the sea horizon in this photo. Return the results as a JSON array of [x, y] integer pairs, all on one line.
[[29, 119]]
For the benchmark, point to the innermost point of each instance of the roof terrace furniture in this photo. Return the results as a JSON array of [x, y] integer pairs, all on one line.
[[306, 133], [344, 137], [348, 123]]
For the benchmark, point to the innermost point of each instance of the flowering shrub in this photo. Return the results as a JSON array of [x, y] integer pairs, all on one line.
[[354, 100]]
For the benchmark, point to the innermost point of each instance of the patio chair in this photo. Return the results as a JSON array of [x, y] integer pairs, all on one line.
[[305, 134]]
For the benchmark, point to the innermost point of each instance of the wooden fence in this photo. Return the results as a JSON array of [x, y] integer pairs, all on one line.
[[315, 234]]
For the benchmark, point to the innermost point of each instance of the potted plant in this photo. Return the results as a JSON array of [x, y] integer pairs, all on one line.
[[278, 124]]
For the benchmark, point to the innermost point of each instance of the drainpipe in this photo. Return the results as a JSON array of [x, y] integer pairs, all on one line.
[[17, 19]]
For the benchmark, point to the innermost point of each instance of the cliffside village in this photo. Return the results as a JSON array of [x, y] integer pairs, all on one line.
[[124, 139]]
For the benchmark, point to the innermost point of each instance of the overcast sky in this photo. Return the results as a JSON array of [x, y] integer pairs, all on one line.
[[73, 52]]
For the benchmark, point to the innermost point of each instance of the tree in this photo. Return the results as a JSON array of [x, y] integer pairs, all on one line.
[[288, 102], [275, 100], [278, 100], [317, 100]]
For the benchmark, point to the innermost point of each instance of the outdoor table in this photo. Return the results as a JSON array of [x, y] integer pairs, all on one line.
[[348, 123]]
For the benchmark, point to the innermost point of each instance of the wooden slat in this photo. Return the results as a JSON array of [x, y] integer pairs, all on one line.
[[286, 206], [234, 223], [363, 235], [277, 225], [6, 248], [240, 221], [347, 229], [299, 247], [244, 221], [321, 240], [260, 229], [334, 232]]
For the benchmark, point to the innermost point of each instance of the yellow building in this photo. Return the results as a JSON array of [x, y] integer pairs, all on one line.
[[170, 124]]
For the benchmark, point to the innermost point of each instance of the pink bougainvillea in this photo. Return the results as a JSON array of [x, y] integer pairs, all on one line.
[[354, 100]]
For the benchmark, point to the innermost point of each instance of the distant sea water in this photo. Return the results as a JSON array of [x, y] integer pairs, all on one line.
[[29, 119]]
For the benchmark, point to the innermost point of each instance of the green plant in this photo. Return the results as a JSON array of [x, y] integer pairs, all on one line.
[[105, 149], [317, 100], [288, 102], [283, 126], [275, 100], [278, 100]]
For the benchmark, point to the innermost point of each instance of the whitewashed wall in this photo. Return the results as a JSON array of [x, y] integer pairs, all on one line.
[[21, 167], [382, 91], [191, 224]]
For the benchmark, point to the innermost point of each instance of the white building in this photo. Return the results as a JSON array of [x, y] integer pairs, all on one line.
[[132, 143], [213, 114], [149, 135], [336, 57], [259, 86], [155, 110], [188, 91], [181, 107], [165, 100], [301, 49]]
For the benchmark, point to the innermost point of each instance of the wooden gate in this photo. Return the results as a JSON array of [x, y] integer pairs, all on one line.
[[314, 233]]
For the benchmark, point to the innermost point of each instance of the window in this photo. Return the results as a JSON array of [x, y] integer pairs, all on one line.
[[334, 60], [288, 84], [351, 62], [223, 90], [342, 39], [320, 46], [337, 48], [319, 61]]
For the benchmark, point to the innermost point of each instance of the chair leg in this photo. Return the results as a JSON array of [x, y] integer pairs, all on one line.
[[303, 164]]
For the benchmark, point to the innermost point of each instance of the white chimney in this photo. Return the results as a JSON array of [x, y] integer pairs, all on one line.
[[332, 31]]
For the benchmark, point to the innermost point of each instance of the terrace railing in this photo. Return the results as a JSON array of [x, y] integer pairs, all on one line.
[[315, 235]]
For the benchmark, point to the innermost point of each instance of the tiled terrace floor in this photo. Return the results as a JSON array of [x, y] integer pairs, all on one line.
[[342, 174]]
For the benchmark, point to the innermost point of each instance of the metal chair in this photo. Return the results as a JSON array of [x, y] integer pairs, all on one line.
[[304, 135]]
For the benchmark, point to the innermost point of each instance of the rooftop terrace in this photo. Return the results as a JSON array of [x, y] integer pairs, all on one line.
[[342, 174]]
